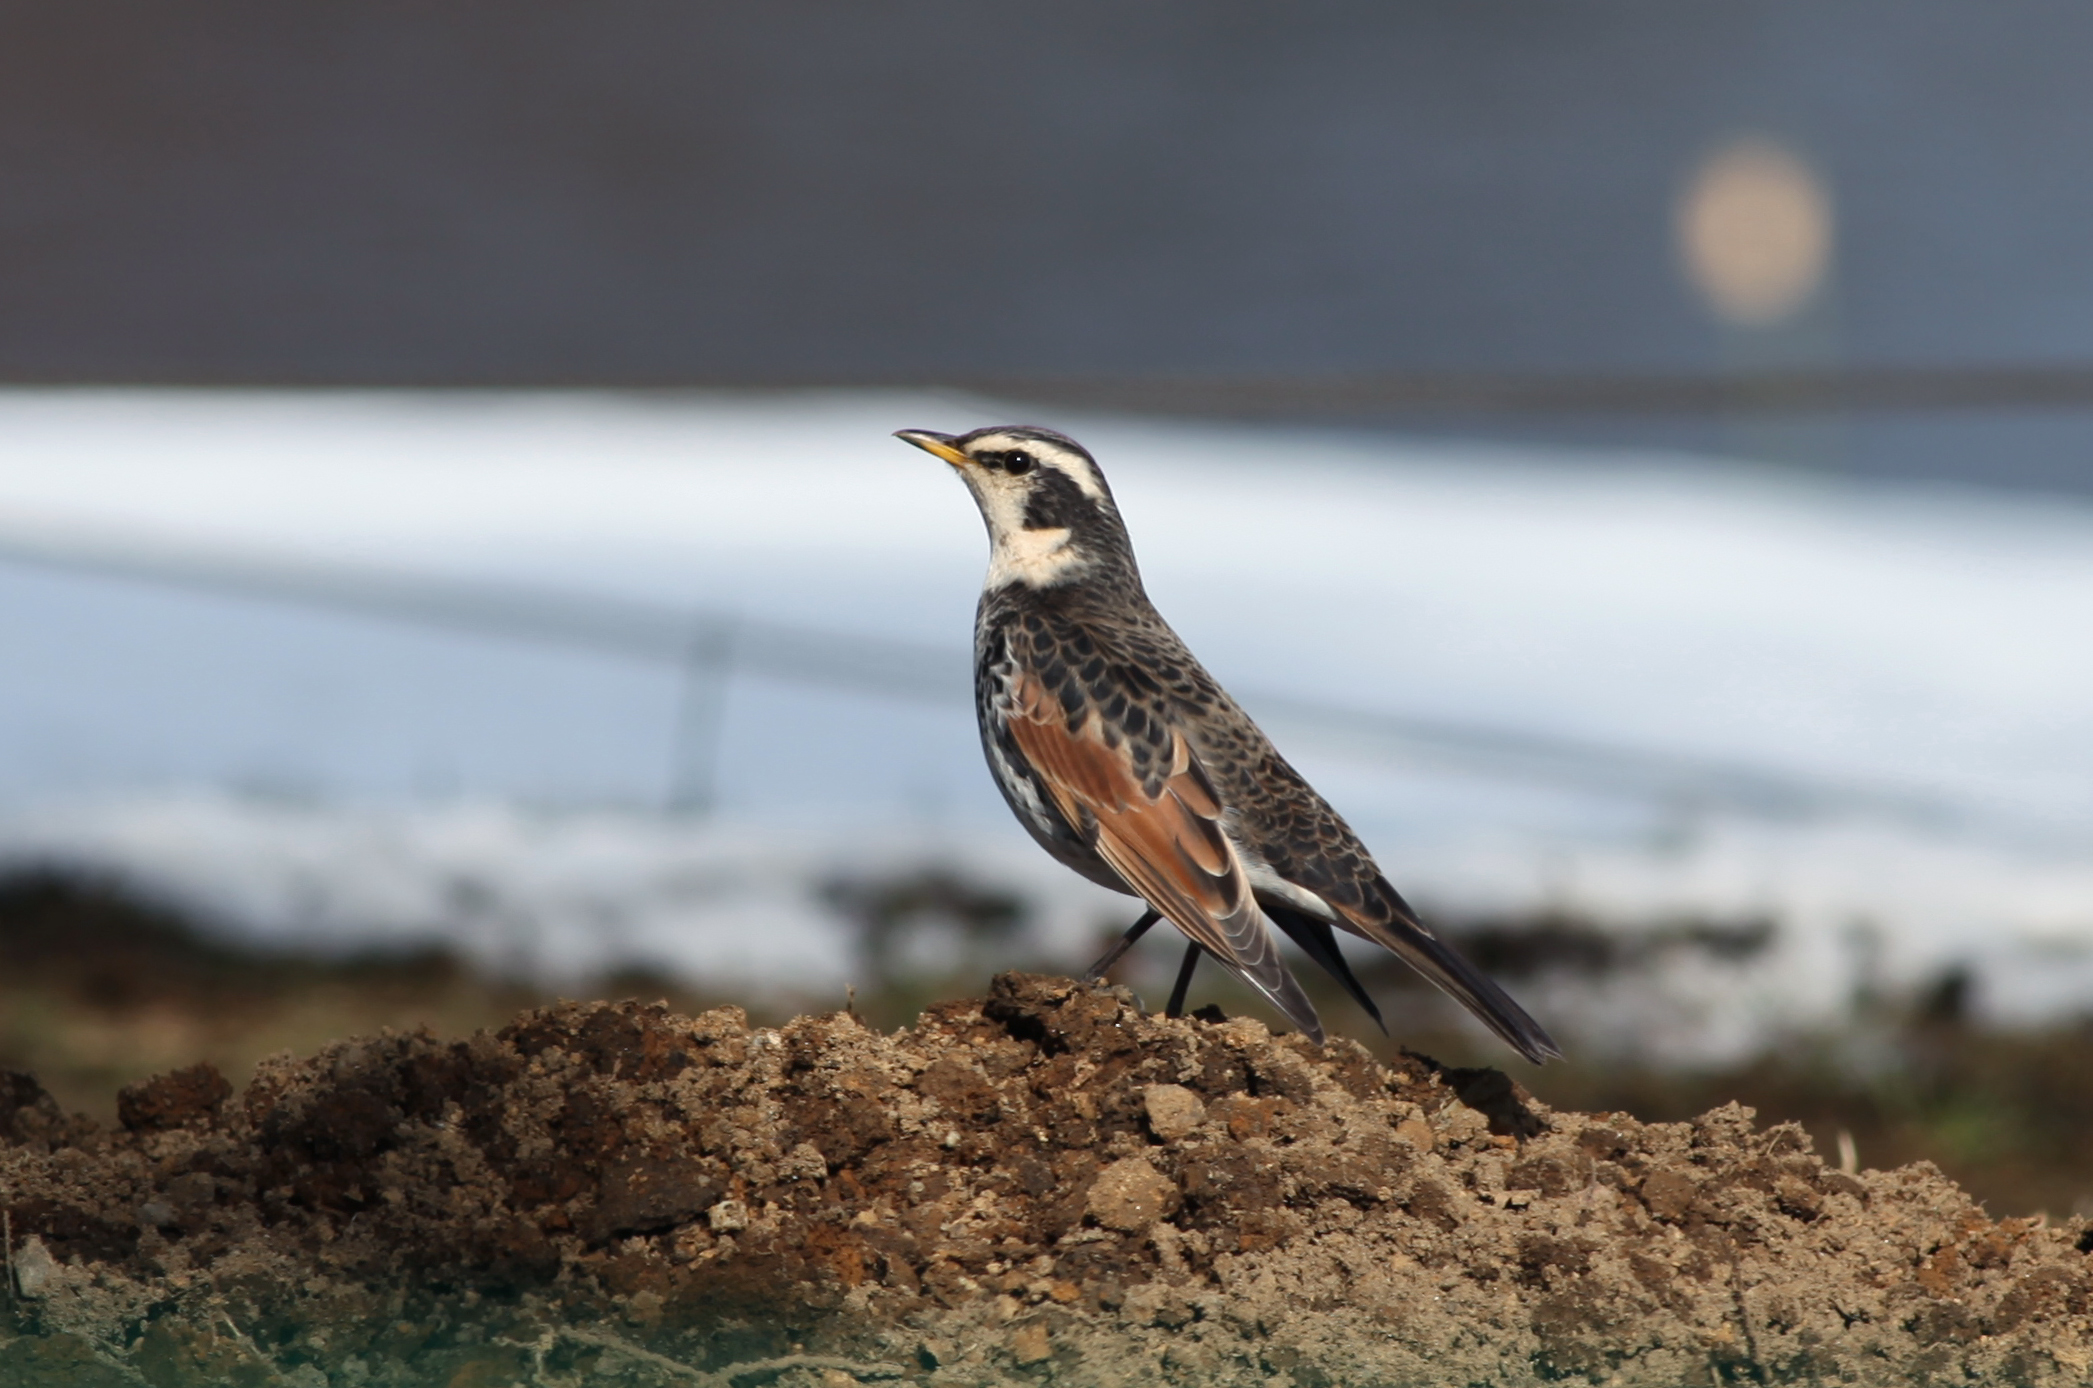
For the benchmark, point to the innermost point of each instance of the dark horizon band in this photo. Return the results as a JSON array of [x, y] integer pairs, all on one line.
[[1833, 390]]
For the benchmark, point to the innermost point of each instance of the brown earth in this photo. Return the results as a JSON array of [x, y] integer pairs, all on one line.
[[1042, 1186]]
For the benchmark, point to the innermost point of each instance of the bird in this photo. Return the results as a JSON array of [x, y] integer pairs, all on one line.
[[1130, 764]]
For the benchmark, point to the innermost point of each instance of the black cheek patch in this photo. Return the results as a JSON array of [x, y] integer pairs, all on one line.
[[1056, 502]]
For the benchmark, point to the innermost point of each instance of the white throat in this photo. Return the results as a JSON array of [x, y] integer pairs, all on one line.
[[1036, 558]]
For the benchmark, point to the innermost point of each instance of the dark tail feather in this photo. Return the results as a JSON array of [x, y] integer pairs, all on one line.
[[1319, 942], [1457, 978]]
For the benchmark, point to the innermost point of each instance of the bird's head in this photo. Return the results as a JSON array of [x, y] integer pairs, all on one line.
[[1051, 518]]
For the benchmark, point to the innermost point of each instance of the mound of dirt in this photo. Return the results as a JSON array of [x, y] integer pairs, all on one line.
[[1043, 1185]]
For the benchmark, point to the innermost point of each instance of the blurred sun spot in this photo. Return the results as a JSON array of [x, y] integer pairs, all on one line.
[[1754, 230]]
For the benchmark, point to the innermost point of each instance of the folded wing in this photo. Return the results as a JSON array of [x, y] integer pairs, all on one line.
[[1161, 832]]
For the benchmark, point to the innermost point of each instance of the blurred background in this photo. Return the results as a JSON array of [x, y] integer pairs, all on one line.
[[1637, 459]]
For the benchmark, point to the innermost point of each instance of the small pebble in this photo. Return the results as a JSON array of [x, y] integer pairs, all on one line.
[[34, 1267], [1130, 1195], [1173, 1111], [1029, 1345]]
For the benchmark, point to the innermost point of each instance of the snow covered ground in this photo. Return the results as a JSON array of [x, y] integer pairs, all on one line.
[[1912, 659]]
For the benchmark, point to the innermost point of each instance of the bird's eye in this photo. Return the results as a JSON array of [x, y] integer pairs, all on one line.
[[1017, 464]]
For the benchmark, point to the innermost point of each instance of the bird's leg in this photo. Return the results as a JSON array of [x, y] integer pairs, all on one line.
[[1184, 981], [1126, 942]]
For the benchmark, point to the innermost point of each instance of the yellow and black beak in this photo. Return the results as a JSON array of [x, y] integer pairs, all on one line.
[[939, 444]]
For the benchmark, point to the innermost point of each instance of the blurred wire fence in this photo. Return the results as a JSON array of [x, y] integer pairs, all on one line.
[[709, 649]]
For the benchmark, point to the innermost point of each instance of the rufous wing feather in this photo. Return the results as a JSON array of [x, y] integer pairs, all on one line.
[[1165, 842]]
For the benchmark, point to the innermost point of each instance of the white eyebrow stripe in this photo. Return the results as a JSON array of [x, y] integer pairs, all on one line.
[[1074, 466], [1077, 469]]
